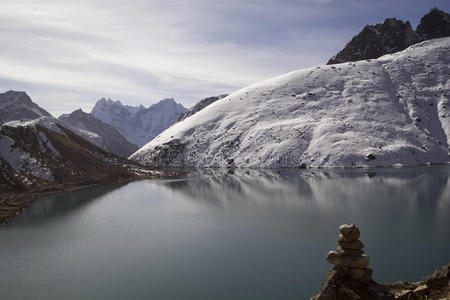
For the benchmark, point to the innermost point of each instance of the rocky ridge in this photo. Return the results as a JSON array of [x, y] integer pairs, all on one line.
[[138, 124], [101, 134], [200, 105], [16, 105], [392, 36]]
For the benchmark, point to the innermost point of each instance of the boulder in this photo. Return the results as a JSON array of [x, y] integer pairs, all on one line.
[[351, 245], [439, 278], [350, 261]]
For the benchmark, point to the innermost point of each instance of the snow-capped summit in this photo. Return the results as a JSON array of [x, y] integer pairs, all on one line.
[[394, 110], [97, 132], [16, 105], [138, 124]]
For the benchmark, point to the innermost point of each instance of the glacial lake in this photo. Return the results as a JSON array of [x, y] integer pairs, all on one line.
[[217, 234]]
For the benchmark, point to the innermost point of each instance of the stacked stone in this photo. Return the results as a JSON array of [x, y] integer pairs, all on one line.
[[349, 256]]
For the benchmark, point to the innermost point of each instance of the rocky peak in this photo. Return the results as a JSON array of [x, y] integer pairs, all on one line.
[[16, 105], [435, 24], [376, 40], [17, 96], [200, 105]]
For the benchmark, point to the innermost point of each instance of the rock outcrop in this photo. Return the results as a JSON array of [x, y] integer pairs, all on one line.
[[350, 279], [16, 105], [435, 24], [200, 105], [392, 36], [377, 40]]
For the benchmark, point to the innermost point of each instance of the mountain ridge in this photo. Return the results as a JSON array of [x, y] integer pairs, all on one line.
[[392, 36], [97, 132], [138, 124]]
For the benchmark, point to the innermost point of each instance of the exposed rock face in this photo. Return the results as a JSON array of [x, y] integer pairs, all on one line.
[[18, 106], [435, 24], [350, 279], [392, 36], [101, 134], [200, 105], [138, 124], [376, 40]]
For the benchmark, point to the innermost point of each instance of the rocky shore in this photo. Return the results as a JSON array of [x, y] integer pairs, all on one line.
[[351, 279]]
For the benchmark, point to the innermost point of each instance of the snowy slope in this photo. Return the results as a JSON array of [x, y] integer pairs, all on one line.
[[138, 124], [41, 154], [18, 106], [101, 134], [389, 111]]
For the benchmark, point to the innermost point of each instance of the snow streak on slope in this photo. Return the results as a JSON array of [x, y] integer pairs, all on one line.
[[389, 111]]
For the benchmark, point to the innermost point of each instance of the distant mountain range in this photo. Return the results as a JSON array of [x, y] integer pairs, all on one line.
[[111, 126], [138, 124], [392, 36]]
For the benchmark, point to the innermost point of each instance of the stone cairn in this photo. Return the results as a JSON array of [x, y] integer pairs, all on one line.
[[349, 257]]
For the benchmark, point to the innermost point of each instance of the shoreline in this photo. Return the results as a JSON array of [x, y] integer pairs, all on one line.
[[15, 203]]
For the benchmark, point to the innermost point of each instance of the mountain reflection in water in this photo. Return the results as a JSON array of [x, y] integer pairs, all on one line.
[[224, 234]]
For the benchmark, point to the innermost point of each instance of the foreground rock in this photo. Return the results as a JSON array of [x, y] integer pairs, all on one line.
[[350, 279]]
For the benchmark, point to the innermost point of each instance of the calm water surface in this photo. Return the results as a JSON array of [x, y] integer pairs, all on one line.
[[216, 235]]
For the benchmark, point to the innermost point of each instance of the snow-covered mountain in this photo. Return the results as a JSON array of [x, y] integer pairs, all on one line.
[[138, 124], [18, 106], [394, 110], [41, 154], [97, 132], [392, 36], [200, 105]]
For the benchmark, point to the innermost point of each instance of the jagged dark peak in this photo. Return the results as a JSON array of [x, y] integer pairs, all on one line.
[[17, 105], [377, 40], [435, 24]]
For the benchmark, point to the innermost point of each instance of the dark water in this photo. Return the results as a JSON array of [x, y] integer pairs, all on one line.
[[214, 235]]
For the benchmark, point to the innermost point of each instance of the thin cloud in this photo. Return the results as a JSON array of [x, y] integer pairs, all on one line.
[[69, 52]]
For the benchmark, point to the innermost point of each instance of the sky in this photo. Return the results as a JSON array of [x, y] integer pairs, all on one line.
[[67, 54]]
